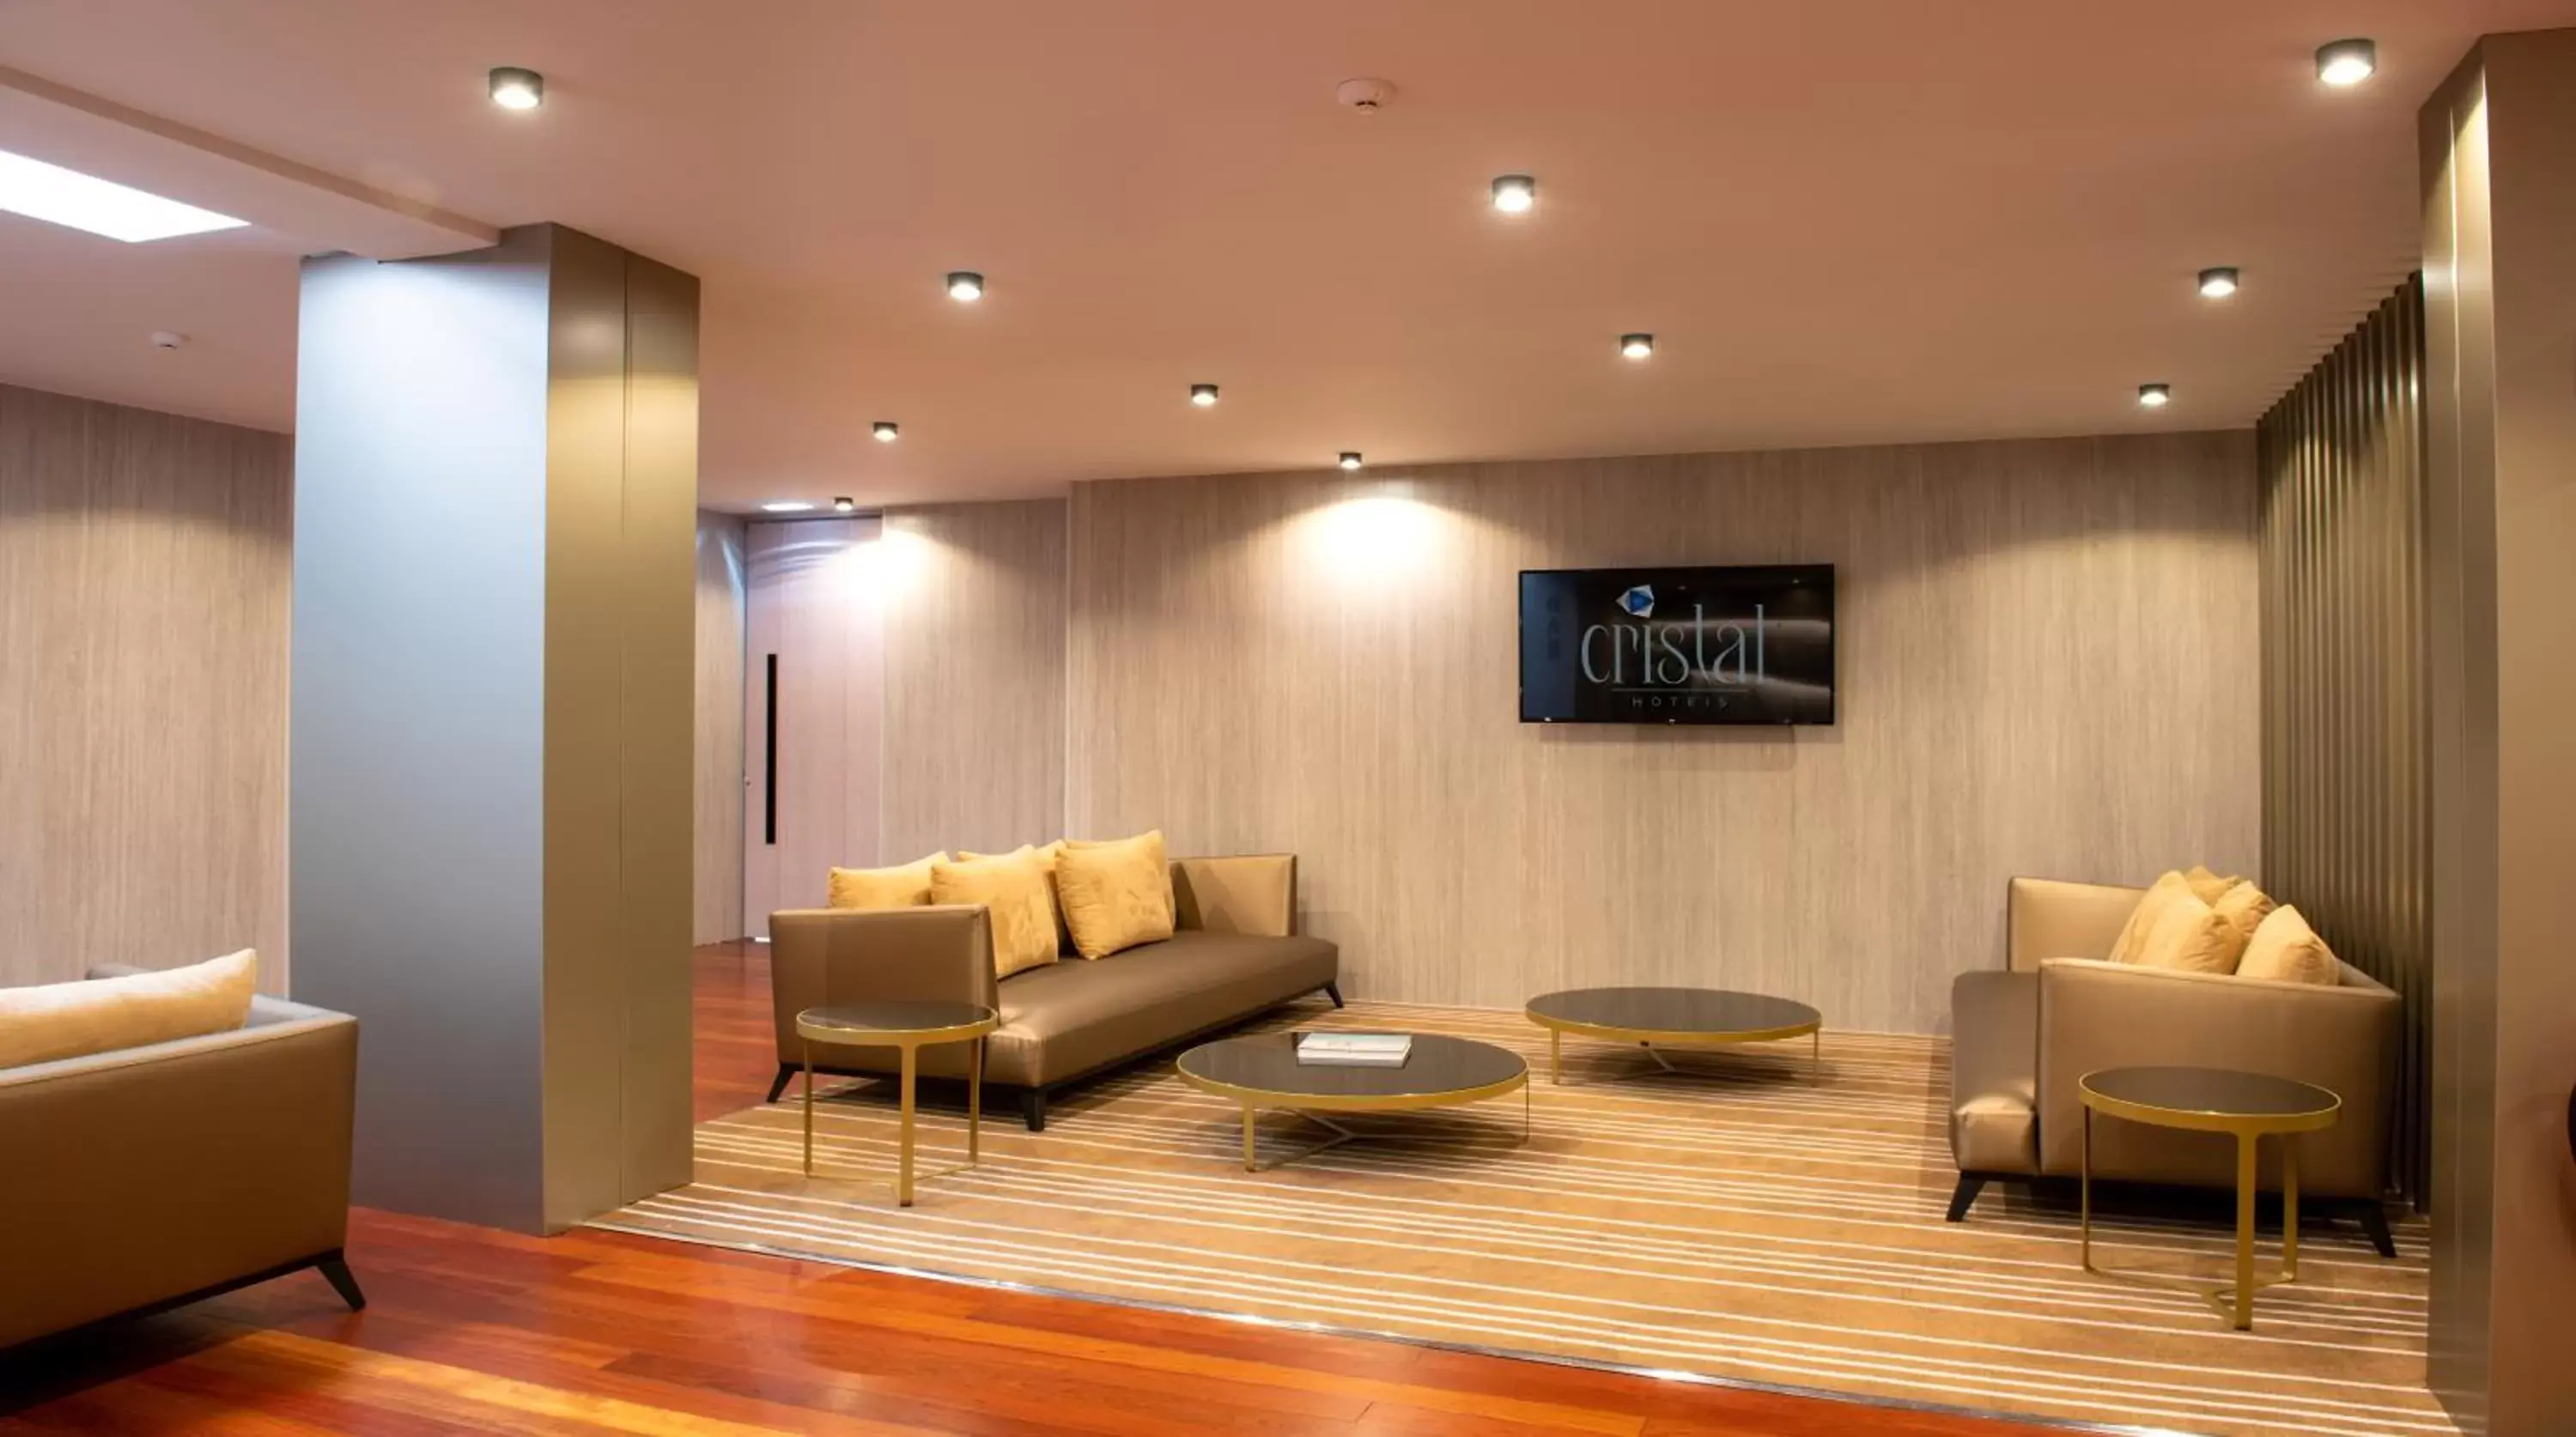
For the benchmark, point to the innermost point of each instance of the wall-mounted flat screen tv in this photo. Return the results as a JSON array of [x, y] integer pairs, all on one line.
[[1746, 645]]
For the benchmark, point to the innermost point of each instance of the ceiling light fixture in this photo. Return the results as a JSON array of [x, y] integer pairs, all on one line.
[[516, 89], [2155, 396], [1203, 395], [885, 431], [1515, 193], [845, 505], [2217, 283], [965, 286], [1637, 346], [2347, 62], [786, 506], [103, 207], [1350, 459]]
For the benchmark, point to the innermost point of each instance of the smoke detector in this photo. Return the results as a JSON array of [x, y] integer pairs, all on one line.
[[167, 339], [1366, 96]]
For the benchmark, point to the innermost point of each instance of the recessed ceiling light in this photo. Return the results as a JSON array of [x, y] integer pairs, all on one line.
[[845, 505], [1637, 346], [1515, 193], [1203, 395], [885, 431], [965, 286], [2347, 62], [517, 89], [2155, 396], [2217, 283], [1350, 459], [85, 202], [786, 506]]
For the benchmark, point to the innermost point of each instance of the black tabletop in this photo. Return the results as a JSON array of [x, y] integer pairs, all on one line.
[[895, 1017], [2221, 1091], [1708, 1011], [1267, 1062]]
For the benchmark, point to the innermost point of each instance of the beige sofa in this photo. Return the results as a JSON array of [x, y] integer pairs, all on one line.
[[2025, 1036], [1236, 954], [149, 1177]]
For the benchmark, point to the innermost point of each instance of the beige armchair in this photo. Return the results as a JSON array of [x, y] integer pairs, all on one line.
[[2024, 1037], [149, 1177]]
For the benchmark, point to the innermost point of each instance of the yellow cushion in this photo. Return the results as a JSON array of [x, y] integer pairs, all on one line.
[[2206, 886], [1116, 894], [2142, 919], [2286, 950], [2244, 907], [1046, 859], [905, 887], [1013, 890], [100, 1015], [2190, 936]]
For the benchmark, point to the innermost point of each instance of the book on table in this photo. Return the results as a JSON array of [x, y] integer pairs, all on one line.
[[1355, 1050]]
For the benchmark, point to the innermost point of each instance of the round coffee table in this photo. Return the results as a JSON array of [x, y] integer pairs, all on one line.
[[1673, 1017], [2216, 1100], [908, 1026], [1260, 1070]]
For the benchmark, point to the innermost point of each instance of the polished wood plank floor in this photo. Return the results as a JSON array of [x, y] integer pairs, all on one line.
[[475, 1331]]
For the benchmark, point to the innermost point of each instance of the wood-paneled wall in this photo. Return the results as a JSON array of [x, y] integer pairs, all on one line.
[[2049, 659], [717, 908], [974, 692], [2347, 814], [144, 578]]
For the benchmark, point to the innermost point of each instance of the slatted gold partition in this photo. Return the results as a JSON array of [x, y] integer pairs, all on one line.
[[2345, 724]]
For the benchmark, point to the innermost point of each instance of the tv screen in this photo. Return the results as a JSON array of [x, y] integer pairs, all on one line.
[[1749, 645]]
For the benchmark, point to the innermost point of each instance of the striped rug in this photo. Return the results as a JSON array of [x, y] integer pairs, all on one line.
[[1735, 1220]]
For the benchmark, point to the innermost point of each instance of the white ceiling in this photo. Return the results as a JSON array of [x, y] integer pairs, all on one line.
[[1847, 221]]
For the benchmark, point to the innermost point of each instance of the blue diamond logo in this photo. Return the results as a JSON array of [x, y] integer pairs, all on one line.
[[1639, 601]]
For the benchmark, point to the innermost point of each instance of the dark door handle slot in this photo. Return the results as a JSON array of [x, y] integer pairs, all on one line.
[[769, 759]]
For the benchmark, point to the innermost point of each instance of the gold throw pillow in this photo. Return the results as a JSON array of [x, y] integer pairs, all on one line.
[[1046, 859], [1116, 894], [2244, 907], [2190, 937], [871, 888], [2142, 919], [2286, 950], [2206, 886], [52, 1021], [1013, 891]]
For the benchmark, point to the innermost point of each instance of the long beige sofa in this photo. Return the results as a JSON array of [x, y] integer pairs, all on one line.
[[148, 1177], [1235, 955], [2025, 1036]]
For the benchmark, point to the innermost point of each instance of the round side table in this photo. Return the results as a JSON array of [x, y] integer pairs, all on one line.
[[908, 1026]]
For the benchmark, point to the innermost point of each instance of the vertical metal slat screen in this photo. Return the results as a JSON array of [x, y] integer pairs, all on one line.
[[2346, 795]]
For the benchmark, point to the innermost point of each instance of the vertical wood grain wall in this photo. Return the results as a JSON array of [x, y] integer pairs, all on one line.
[[717, 823], [2345, 724], [144, 576]]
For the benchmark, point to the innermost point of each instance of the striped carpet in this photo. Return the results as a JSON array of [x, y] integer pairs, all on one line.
[[1735, 1220]]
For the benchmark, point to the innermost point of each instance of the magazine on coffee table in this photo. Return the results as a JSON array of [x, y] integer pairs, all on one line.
[[1354, 1050]]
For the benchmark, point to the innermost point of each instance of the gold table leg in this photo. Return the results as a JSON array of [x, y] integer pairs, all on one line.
[[2245, 1183], [903, 1182], [975, 1104], [2290, 1207], [1555, 1056], [809, 1108], [1816, 1064], [1250, 1163], [2087, 1241]]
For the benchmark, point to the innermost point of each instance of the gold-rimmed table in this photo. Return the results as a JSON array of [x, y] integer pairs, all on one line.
[[909, 1027], [1674, 1018], [2247, 1106], [1260, 1070]]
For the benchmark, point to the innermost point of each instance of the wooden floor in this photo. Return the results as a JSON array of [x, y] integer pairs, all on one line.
[[474, 1331]]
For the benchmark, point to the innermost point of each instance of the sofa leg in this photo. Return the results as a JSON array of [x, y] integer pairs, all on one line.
[[335, 1270], [1970, 1184], [1033, 1108], [778, 1084], [2374, 1221], [1334, 992]]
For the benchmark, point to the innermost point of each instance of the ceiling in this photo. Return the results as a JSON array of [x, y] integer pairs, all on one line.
[[1846, 221]]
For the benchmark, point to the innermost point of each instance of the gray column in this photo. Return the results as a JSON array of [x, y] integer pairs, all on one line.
[[2500, 411], [489, 803]]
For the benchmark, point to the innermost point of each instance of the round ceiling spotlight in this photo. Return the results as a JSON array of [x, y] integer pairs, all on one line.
[[1637, 346], [516, 89], [2347, 62], [2218, 283], [1203, 395], [1514, 194], [786, 506], [965, 286], [845, 505], [886, 431], [1350, 459], [2155, 396]]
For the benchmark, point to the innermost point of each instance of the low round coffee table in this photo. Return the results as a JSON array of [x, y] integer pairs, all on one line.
[[2216, 1100], [907, 1026], [1673, 1017], [1260, 1070]]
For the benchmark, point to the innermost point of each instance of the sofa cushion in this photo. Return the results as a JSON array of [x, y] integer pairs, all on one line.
[[1994, 1072], [1116, 894], [101, 1015], [1013, 891], [907, 886], [2142, 919], [1061, 1021], [2207, 886], [2244, 907], [2286, 950], [2190, 936], [1046, 856]]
